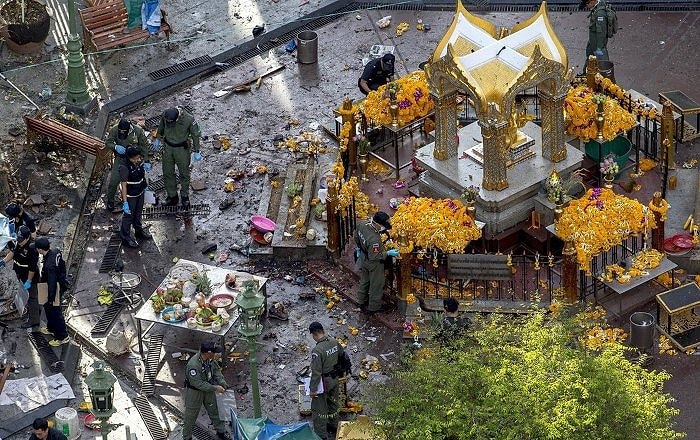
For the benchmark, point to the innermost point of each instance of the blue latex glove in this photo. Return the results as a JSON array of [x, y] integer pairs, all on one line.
[[120, 149], [393, 252], [197, 156], [147, 166], [2, 264], [12, 229], [125, 208], [156, 144], [28, 284]]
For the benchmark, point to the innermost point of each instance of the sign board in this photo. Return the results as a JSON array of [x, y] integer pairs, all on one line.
[[478, 267]]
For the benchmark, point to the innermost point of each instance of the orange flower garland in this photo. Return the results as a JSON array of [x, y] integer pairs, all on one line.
[[349, 190], [344, 137], [581, 109], [662, 209], [600, 220], [435, 223], [413, 98]]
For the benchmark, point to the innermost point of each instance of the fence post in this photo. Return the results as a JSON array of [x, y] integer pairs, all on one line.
[[657, 235], [668, 131], [403, 283], [331, 205], [569, 272], [347, 115], [591, 71]]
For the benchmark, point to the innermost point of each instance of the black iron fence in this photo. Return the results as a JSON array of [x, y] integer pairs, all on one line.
[[346, 221]]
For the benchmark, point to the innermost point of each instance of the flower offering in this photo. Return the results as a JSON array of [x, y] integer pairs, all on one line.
[[581, 107], [412, 96]]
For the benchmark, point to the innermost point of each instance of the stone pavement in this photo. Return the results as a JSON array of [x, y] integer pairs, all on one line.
[[649, 63]]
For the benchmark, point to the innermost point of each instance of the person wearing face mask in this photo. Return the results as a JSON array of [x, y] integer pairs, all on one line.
[[376, 73], [371, 260], [132, 177], [203, 379], [120, 136]]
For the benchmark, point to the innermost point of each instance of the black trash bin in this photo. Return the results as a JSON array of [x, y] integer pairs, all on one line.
[[642, 330]]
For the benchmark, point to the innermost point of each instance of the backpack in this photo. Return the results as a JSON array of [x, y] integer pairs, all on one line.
[[611, 20]]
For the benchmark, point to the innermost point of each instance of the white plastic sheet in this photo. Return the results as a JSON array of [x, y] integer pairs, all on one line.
[[226, 402]]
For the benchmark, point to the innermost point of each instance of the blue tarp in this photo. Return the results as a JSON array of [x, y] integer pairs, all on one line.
[[264, 429]]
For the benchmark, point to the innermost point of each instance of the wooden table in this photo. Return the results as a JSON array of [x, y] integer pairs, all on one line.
[[684, 105], [680, 305]]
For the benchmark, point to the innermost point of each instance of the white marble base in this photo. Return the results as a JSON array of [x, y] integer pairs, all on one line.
[[500, 210]]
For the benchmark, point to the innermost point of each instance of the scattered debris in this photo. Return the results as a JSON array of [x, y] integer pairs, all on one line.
[[198, 185], [384, 22]]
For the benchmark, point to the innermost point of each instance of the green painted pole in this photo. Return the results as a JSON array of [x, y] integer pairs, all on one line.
[[253, 361], [76, 90]]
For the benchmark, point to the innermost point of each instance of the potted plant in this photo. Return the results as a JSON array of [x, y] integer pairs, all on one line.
[[319, 210], [24, 24]]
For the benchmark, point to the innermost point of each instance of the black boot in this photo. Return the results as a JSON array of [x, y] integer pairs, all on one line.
[[185, 202], [170, 201]]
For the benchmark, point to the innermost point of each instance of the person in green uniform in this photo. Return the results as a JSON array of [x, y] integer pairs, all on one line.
[[203, 379], [324, 398], [121, 136], [371, 260], [180, 134], [597, 30]]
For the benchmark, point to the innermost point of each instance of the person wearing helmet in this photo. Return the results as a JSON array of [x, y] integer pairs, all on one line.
[[25, 261], [120, 136], [180, 135], [19, 217], [132, 176]]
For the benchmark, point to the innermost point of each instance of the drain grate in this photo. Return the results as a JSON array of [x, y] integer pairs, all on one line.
[[148, 384], [46, 352], [202, 434], [114, 247], [143, 406], [106, 321], [158, 184], [180, 67], [154, 212], [152, 122]]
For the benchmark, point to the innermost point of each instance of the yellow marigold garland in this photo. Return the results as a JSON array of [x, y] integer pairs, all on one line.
[[435, 223], [349, 190], [344, 137], [662, 209], [413, 98], [581, 109], [600, 220], [644, 260]]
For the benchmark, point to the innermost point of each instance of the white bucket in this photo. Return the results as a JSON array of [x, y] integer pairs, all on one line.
[[67, 422]]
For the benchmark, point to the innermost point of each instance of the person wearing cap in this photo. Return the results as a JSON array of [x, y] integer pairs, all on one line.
[[132, 178], [597, 29], [179, 133], [122, 135], [376, 73], [53, 273], [19, 217], [371, 261], [25, 260], [203, 378], [324, 358]]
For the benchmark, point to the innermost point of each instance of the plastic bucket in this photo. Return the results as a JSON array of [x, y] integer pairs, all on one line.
[[642, 330], [620, 147], [607, 69], [307, 47], [67, 423]]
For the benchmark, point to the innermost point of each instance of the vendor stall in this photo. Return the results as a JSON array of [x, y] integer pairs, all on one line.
[[195, 297]]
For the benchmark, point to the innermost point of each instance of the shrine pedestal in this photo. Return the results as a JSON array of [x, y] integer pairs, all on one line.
[[500, 210]]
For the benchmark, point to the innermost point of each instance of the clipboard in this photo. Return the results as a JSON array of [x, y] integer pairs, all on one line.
[[43, 295], [307, 386]]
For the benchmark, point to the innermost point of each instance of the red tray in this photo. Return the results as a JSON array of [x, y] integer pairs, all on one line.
[[683, 241]]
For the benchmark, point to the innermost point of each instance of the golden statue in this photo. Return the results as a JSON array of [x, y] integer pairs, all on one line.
[[518, 118]]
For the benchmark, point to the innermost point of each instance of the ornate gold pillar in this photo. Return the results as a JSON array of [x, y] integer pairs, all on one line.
[[657, 234], [347, 114], [591, 71], [569, 271], [331, 204], [445, 126], [493, 133], [403, 283], [668, 130], [553, 125]]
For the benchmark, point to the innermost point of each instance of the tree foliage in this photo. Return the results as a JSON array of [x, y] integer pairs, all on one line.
[[527, 379]]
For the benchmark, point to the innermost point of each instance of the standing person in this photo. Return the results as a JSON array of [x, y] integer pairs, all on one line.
[[371, 260], [132, 178], [25, 260], [180, 135], [324, 358], [53, 273], [120, 136], [376, 73], [599, 29], [203, 379], [18, 217], [43, 432], [452, 324]]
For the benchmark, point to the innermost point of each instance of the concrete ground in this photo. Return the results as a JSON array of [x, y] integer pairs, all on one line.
[[649, 62]]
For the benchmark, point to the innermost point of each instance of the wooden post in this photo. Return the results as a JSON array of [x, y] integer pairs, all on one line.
[[348, 115], [657, 235], [570, 273], [331, 204]]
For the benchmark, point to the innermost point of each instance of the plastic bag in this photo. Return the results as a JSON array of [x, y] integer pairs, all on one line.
[[21, 298], [226, 402]]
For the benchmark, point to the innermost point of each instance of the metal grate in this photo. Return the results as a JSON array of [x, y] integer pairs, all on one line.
[[152, 122], [202, 434], [107, 320], [114, 247], [158, 184], [148, 384], [180, 67], [143, 406], [46, 353], [154, 212]]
